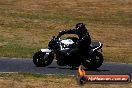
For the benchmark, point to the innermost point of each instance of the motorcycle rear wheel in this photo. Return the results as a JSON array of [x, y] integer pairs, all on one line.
[[94, 62], [40, 60]]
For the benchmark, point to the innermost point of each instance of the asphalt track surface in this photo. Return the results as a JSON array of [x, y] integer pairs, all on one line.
[[27, 66]]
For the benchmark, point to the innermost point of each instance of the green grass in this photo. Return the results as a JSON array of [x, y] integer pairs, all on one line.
[[28, 25]]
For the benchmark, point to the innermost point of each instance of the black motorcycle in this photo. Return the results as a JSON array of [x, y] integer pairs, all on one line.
[[58, 48]]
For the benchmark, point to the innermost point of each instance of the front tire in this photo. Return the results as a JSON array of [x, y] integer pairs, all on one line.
[[41, 60], [94, 62]]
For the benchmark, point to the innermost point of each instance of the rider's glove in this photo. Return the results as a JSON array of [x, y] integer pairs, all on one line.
[[61, 33]]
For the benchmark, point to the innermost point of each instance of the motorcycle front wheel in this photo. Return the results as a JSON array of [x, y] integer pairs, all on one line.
[[42, 59], [94, 61]]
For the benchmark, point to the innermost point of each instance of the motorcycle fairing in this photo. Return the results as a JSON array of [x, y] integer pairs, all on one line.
[[95, 46], [45, 50], [66, 43]]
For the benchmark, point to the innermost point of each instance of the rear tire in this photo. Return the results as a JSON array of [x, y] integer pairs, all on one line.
[[40, 60], [94, 62]]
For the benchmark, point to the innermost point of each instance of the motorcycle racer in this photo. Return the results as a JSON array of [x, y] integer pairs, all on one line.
[[84, 40]]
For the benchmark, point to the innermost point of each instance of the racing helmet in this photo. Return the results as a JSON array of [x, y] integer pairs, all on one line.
[[80, 26]]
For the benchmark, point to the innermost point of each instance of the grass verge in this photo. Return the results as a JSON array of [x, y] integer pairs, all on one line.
[[25, 80]]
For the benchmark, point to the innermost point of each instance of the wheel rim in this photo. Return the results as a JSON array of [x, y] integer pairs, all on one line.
[[40, 60]]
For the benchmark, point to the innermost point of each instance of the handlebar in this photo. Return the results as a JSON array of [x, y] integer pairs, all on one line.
[[55, 38]]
